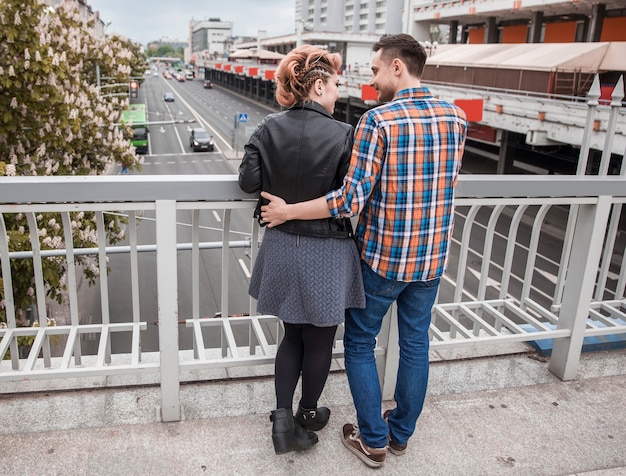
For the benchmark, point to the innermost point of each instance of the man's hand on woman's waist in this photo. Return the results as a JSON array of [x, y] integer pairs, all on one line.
[[277, 211]]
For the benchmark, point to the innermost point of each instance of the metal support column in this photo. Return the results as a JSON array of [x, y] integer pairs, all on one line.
[[536, 23], [454, 27], [505, 160], [581, 277], [491, 30], [167, 289], [598, 12]]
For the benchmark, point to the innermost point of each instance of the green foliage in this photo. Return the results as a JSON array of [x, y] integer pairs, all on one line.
[[167, 51], [55, 121]]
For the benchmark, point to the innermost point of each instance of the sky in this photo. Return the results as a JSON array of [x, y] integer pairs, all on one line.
[[147, 20]]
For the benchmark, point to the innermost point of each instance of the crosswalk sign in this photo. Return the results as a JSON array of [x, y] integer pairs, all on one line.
[[243, 117]]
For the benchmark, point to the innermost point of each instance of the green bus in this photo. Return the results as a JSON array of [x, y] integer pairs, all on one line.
[[135, 116]]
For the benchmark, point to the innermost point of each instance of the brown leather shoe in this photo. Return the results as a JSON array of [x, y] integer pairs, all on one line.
[[395, 448], [373, 457]]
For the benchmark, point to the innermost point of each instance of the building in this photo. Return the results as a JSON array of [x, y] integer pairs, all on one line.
[[86, 12], [212, 38], [517, 21], [373, 17]]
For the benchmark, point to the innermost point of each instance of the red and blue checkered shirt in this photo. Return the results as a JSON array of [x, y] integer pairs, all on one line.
[[403, 172]]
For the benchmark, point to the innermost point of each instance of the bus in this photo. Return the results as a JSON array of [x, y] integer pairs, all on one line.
[[135, 116]]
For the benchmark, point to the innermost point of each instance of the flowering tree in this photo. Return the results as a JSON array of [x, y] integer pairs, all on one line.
[[54, 120]]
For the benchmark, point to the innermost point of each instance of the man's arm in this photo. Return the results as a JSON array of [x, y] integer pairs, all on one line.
[[278, 212]]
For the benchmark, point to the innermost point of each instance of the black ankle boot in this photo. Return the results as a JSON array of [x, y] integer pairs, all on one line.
[[312, 420], [286, 437]]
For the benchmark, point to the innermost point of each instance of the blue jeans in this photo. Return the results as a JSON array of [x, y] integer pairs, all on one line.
[[415, 301]]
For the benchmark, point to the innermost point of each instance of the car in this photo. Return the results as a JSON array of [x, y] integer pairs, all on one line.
[[167, 75], [181, 77], [200, 139], [168, 97], [207, 84]]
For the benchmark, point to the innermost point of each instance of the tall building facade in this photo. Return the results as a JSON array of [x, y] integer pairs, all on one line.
[[211, 37], [372, 17]]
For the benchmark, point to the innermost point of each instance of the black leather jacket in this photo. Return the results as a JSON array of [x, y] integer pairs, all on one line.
[[299, 154]]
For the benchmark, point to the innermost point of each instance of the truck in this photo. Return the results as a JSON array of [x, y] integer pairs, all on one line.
[[135, 117]]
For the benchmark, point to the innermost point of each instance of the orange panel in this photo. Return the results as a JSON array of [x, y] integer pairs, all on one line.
[[253, 71], [613, 29], [514, 34], [476, 36], [227, 67], [218, 65], [473, 108], [482, 132], [564, 32], [368, 93], [239, 69], [269, 74]]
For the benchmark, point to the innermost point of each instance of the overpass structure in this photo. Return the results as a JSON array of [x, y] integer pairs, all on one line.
[[533, 98]]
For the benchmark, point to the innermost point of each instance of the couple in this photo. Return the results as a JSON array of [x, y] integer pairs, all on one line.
[[397, 171]]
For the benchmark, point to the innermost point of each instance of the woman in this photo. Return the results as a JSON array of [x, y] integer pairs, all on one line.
[[307, 272]]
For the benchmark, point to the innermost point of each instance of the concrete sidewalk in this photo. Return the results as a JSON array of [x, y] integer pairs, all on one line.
[[483, 416]]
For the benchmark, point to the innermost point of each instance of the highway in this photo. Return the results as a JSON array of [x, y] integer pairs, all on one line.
[[170, 153]]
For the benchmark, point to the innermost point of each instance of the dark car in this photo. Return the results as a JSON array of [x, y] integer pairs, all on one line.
[[200, 139], [168, 97], [207, 84]]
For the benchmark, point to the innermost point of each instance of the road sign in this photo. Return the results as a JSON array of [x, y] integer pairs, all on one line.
[[243, 117]]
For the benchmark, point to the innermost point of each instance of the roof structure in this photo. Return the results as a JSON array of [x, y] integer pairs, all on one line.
[[584, 57], [256, 54]]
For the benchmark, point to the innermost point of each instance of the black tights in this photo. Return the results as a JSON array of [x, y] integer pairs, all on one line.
[[308, 350]]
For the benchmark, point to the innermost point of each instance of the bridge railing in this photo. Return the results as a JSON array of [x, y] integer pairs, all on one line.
[[170, 303]]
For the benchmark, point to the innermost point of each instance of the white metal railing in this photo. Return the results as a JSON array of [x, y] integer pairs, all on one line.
[[495, 290]]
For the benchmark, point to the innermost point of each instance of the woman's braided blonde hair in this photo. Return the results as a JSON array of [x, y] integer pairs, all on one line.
[[298, 71]]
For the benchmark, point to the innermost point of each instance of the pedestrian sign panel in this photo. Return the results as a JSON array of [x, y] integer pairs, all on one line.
[[243, 117]]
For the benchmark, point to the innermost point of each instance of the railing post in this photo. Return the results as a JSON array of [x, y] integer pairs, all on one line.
[[167, 290], [593, 96], [588, 237], [616, 106], [388, 339]]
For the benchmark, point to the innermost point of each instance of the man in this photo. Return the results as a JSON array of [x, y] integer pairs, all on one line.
[[403, 171]]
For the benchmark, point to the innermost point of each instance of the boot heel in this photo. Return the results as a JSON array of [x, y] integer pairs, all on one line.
[[286, 435], [282, 443]]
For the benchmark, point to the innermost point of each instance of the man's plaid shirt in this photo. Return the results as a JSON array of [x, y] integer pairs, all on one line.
[[403, 171]]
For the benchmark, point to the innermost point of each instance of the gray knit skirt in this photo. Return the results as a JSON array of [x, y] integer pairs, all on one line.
[[305, 279]]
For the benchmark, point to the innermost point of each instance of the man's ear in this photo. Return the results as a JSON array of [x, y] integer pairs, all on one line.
[[396, 66]]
